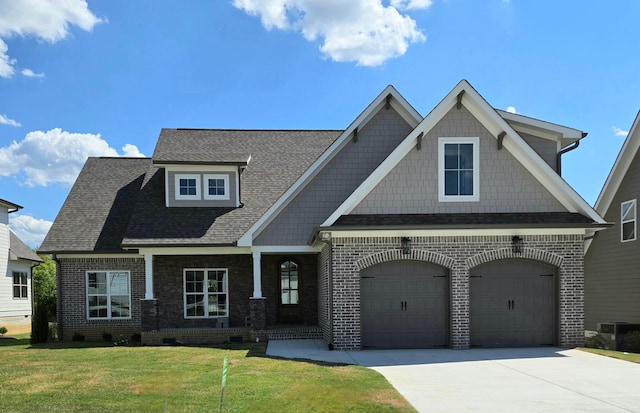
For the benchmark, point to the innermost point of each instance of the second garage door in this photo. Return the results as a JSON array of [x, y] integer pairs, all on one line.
[[404, 304], [513, 304]]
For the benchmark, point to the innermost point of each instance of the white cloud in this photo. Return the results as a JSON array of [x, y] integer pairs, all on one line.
[[48, 20], [31, 73], [362, 31], [619, 132], [411, 4], [6, 121], [511, 109], [55, 156], [29, 229], [6, 64]]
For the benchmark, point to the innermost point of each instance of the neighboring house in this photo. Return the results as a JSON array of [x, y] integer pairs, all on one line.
[[16, 261], [452, 230], [612, 261]]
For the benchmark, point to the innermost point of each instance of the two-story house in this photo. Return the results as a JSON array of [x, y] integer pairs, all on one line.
[[400, 231]]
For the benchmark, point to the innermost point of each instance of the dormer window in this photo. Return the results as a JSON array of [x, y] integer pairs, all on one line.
[[216, 187], [187, 187]]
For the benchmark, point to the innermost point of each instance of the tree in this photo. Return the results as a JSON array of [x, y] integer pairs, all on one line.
[[44, 299]]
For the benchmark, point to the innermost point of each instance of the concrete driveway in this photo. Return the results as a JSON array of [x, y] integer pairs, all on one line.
[[541, 379]]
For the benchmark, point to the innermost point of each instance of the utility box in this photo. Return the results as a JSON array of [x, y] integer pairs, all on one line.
[[613, 333]]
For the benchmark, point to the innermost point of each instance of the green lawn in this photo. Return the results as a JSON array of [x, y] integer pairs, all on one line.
[[89, 377], [633, 357]]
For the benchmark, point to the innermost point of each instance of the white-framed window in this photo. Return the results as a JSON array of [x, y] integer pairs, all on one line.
[[108, 294], [20, 286], [458, 169], [628, 221], [188, 187], [216, 186], [205, 293]]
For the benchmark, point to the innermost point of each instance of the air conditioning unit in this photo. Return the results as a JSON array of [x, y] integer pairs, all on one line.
[[613, 333]]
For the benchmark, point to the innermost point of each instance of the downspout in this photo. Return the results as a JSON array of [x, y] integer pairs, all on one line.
[[565, 150], [59, 326]]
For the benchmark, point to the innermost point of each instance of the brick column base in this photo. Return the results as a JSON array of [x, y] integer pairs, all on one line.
[[150, 318], [258, 313]]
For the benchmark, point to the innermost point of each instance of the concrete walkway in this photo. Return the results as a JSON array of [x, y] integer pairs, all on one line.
[[492, 380]]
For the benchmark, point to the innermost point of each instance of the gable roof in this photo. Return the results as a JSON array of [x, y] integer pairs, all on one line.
[[18, 250], [388, 97], [623, 161], [463, 93]]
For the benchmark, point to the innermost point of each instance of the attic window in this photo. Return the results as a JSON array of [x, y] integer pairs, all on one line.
[[628, 219], [458, 160], [187, 187], [216, 187]]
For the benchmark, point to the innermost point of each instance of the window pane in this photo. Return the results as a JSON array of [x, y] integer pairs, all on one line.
[[466, 182], [451, 156], [294, 297], [285, 297], [284, 282], [216, 186], [120, 306], [98, 307], [119, 283], [97, 283], [628, 212], [466, 156], [628, 231], [195, 305], [294, 282], [24, 292], [451, 183], [187, 186], [16, 291]]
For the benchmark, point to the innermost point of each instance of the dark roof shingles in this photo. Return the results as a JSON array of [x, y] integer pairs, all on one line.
[[96, 212], [21, 250], [465, 220]]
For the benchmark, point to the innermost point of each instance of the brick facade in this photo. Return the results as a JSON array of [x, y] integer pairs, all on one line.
[[459, 254], [72, 291]]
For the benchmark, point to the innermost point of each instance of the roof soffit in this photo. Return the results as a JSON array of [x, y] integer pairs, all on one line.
[[495, 124], [396, 101]]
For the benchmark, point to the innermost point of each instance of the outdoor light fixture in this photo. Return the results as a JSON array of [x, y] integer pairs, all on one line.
[[516, 244], [405, 245]]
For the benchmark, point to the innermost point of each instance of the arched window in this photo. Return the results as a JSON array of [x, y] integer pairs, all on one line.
[[289, 283]]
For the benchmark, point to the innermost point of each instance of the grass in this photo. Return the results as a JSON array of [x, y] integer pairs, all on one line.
[[633, 357], [91, 377]]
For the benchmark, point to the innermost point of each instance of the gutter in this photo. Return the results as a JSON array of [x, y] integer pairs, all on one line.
[[565, 150]]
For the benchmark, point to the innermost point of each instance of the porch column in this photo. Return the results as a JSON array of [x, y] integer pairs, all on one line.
[[257, 275], [148, 276]]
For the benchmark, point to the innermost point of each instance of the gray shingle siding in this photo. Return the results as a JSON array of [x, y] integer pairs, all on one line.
[[337, 180], [546, 148], [412, 186], [612, 276]]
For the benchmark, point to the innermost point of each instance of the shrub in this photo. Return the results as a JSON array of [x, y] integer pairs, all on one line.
[[106, 336], [77, 337], [136, 338], [3, 330], [596, 341], [631, 342], [40, 324], [121, 341]]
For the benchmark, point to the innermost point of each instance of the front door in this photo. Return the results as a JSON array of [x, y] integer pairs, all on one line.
[[290, 310]]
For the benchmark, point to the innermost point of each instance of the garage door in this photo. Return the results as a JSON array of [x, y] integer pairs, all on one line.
[[513, 304], [404, 304]]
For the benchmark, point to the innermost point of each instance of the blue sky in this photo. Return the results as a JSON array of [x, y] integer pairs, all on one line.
[[101, 78]]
